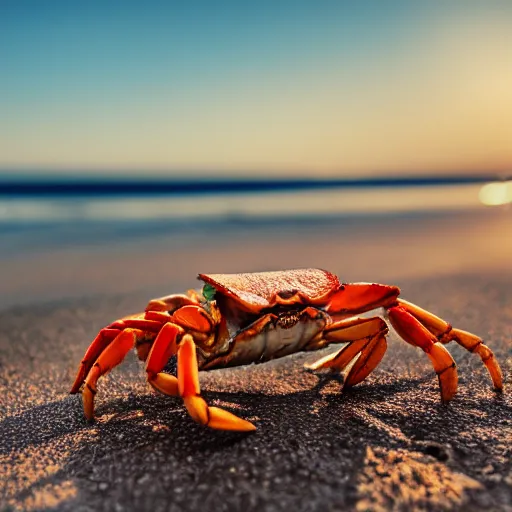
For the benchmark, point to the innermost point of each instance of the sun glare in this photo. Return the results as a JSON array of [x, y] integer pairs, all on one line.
[[494, 194]]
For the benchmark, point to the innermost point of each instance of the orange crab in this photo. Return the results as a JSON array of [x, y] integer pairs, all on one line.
[[240, 319]]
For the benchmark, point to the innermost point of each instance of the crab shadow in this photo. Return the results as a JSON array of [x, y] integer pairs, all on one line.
[[318, 422], [146, 416]]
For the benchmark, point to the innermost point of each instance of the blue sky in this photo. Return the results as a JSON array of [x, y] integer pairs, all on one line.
[[240, 87]]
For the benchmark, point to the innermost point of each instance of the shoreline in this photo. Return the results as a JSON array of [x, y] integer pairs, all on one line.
[[83, 260]]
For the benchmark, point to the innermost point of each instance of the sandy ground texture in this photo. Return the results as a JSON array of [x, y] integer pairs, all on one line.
[[387, 444]]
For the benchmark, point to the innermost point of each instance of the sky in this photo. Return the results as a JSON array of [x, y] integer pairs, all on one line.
[[289, 88]]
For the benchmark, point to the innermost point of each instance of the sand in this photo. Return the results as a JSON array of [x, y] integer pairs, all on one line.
[[387, 444]]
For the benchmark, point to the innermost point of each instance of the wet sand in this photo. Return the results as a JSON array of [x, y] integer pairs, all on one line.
[[386, 444]]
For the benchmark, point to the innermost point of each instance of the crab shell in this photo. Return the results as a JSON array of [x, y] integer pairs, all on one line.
[[257, 292]]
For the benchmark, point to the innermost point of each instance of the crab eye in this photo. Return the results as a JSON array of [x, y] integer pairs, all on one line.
[[209, 292]]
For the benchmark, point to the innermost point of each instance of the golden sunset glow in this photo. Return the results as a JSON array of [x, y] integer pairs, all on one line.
[[433, 94]]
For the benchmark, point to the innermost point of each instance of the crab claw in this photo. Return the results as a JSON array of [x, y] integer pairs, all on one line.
[[188, 385], [360, 297]]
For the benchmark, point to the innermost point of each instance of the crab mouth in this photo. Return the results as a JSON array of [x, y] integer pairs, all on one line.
[[288, 319]]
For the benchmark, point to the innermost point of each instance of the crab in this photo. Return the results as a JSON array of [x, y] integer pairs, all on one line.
[[238, 319]]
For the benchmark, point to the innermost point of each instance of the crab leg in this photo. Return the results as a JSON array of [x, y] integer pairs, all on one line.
[[355, 329], [103, 340], [164, 347], [415, 333], [188, 386], [340, 359], [171, 303], [99, 344], [366, 339], [110, 357], [367, 361], [171, 340], [445, 333], [193, 318]]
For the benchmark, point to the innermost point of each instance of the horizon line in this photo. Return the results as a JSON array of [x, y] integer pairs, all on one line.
[[140, 185]]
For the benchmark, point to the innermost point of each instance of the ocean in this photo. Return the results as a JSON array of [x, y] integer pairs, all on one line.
[[60, 213], [150, 239]]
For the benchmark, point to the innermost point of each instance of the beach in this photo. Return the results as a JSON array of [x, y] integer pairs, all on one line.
[[144, 144], [388, 443]]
